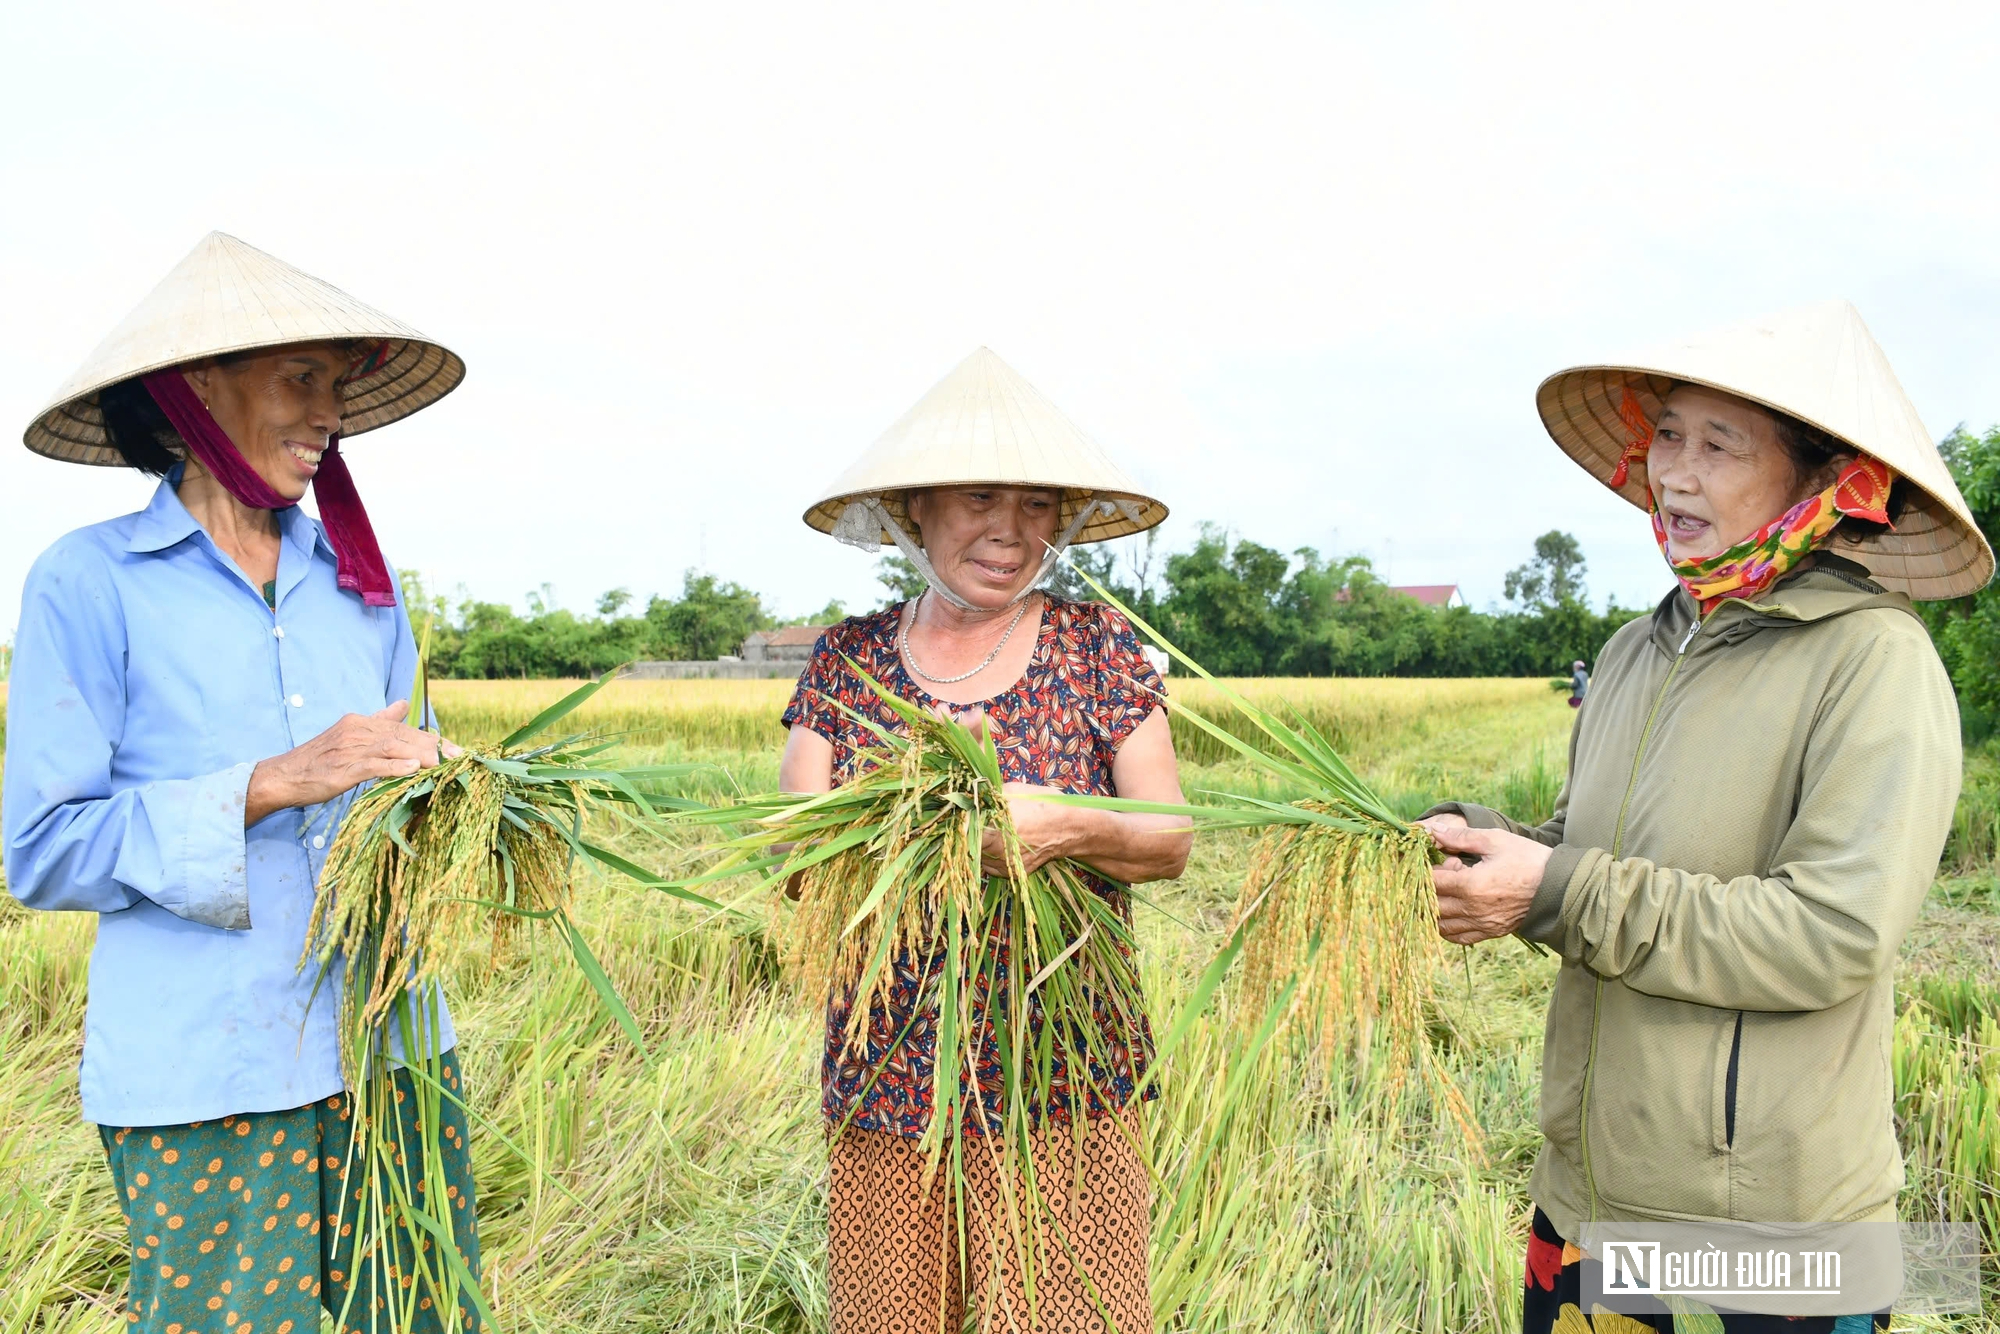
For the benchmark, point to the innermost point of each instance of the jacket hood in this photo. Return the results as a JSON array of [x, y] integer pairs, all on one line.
[[1825, 587]]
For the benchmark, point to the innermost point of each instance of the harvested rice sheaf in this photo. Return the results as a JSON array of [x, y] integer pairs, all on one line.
[[1337, 917], [481, 844], [887, 874], [1353, 915], [422, 865]]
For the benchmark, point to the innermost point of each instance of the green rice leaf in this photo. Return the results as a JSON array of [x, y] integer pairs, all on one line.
[[645, 877], [600, 982], [559, 710], [892, 871], [449, 1251]]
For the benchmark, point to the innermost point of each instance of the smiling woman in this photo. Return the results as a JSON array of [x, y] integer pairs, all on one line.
[[197, 690], [995, 483], [267, 420], [288, 379], [280, 408]]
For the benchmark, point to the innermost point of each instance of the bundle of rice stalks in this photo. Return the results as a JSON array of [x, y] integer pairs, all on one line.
[[1365, 898], [482, 844], [1337, 918], [888, 878]]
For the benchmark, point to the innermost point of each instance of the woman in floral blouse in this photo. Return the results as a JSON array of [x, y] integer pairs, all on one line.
[[1073, 706]]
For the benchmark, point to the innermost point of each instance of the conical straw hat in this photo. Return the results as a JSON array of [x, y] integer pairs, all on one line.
[[230, 297], [1819, 364], [984, 424]]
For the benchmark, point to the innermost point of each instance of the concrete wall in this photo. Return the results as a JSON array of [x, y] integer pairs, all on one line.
[[770, 668], [755, 649], [723, 669]]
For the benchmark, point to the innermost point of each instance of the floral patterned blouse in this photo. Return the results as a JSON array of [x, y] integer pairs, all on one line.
[[1087, 688]]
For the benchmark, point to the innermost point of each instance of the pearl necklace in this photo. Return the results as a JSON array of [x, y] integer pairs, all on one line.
[[903, 642]]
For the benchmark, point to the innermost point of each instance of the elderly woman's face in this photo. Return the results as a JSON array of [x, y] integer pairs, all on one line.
[[278, 408], [1718, 471], [986, 542]]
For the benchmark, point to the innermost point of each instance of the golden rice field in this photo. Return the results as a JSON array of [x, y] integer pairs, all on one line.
[[1406, 734], [681, 1188]]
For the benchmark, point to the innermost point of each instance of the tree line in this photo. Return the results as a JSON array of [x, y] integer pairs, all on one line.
[[1967, 630], [1238, 607], [490, 640], [1235, 605], [1244, 609]]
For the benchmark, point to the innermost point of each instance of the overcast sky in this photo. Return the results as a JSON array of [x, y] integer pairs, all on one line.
[[1299, 269]]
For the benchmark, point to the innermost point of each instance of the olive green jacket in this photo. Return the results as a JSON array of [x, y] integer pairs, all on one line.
[[1756, 804]]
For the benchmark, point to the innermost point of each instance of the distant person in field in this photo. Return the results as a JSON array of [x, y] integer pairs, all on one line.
[[1756, 801], [1075, 707], [197, 690], [1579, 682]]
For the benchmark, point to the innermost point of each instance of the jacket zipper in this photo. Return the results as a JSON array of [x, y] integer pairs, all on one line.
[[1729, 1085], [1617, 846]]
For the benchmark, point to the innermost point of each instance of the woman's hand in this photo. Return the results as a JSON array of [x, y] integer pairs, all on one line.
[[1490, 897], [1448, 820], [353, 751], [1045, 830]]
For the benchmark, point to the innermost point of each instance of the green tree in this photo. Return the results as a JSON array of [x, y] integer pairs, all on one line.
[[710, 618], [1350, 623], [1967, 630], [835, 610], [1553, 577], [1223, 605], [903, 580], [1129, 567], [433, 611]]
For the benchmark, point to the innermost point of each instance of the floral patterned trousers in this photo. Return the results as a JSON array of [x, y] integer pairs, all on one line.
[[898, 1267]]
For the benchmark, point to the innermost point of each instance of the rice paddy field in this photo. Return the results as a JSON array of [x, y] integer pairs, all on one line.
[[682, 1188]]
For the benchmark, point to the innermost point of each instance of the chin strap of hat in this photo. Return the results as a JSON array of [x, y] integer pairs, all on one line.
[[358, 564], [865, 521]]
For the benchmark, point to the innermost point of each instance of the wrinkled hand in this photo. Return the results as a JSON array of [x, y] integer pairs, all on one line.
[[1042, 827], [1448, 820], [358, 748], [1489, 896]]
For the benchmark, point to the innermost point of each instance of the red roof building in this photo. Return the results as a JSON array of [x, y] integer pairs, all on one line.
[[1431, 595]]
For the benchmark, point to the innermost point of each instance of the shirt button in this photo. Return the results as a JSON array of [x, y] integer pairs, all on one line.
[[278, 631], [319, 840], [298, 701]]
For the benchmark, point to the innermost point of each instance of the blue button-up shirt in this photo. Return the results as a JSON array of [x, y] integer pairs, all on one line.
[[149, 678]]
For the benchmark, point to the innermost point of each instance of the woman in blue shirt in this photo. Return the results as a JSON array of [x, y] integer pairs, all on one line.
[[197, 690]]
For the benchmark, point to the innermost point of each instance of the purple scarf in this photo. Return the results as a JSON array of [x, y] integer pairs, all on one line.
[[357, 556]]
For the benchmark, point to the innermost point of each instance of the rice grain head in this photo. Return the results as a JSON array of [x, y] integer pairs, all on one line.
[[416, 862], [1353, 918]]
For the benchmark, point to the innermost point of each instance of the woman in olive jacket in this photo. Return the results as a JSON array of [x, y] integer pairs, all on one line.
[[1760, 785]]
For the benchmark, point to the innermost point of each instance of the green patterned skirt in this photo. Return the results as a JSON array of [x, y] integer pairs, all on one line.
[[237, 1227]]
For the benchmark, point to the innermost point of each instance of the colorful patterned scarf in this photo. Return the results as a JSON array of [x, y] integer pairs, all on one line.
[[1751, 566]]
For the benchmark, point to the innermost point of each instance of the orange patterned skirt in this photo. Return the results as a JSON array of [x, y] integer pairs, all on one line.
[[898, 1267]]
